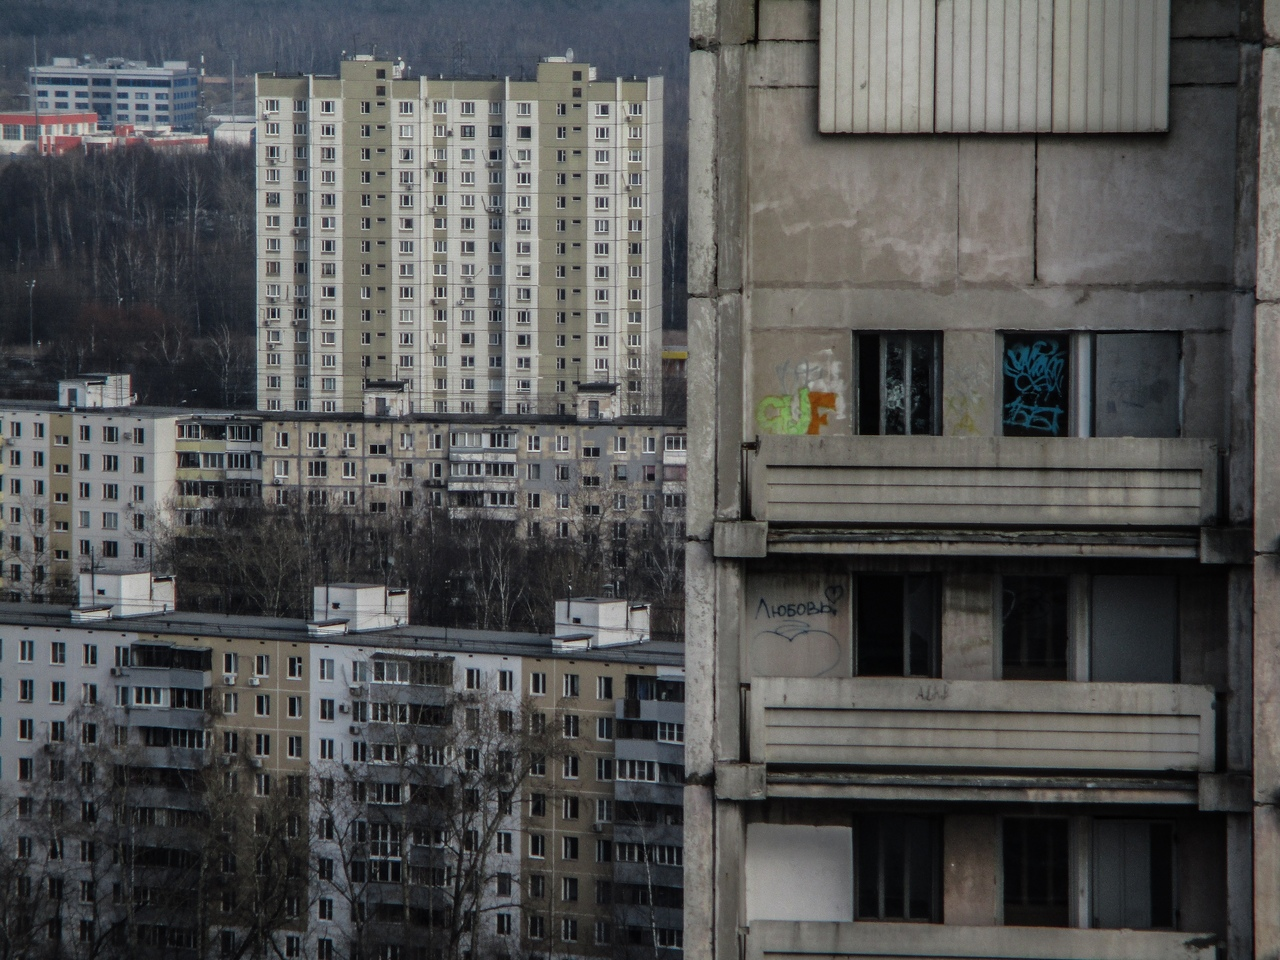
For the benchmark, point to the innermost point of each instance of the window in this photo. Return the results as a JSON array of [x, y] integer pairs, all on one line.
[[1034, 628], [1134, 876], [1036, 376], [571, 685], [898, 385], [897, 626], [538, 684], [897, 868], [1037, 871]]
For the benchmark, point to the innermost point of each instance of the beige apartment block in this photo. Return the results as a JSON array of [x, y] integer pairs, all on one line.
[[338, 722], [487, 246], [981, 585]]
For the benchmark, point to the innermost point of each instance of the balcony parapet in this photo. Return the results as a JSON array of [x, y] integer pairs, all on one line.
[[889, 723], [781, 940]]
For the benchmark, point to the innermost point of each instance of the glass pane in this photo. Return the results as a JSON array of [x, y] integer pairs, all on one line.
[[1036, 872], [1036, 372], [869, 384], [868, 878], [879, 630], [895, 386], [893, 849], [1034, 634], [1136, 384], [922, 405], [922, 865], [922, 626]]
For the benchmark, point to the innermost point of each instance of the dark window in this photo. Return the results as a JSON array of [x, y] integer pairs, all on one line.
[[897, 632], [898, 869], [1034, 634], [1036, 371], [898, 384], [1133, 874], [1036, 872]]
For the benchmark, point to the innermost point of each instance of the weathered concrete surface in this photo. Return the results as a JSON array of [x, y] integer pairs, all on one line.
[[969, 405], [1203, 61], [971, 870], [788, 19], [968, 627], [880, 211], [1148, 209], [997, 210]]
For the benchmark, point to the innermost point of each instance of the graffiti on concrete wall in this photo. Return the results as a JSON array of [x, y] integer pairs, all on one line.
[[808, 392], [799, 626]]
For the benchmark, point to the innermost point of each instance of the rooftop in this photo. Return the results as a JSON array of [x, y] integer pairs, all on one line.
[[425, 639]]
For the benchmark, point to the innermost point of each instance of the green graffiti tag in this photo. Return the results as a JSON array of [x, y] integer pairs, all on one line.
[[795, 415]]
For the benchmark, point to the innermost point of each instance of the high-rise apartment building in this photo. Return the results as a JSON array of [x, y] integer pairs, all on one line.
[[488, 246], [119, 90], [982, 580]]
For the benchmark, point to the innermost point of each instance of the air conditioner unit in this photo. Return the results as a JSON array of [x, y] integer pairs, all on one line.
[[344, 708], [355, 730], [295, 231], [597, 827], [272, 299], [356, 689], [226, 759], [255, 762], [229, 679], [118, 672], [276, 481], [255, 682]]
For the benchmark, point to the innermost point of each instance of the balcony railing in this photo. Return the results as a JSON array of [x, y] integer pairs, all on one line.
[[986, 725]]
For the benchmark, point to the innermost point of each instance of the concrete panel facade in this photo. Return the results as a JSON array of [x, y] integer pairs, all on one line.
[[847, 283]]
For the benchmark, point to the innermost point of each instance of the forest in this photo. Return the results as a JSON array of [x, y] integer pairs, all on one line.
[[143, 263]]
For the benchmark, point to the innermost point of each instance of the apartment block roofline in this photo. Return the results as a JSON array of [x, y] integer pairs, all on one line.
[[451, 640]]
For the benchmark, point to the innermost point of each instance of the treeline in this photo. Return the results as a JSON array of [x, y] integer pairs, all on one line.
[[143, 262], [461, 570]]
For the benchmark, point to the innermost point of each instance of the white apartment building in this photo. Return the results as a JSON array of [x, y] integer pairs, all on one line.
[[486, 246], [84, 484]]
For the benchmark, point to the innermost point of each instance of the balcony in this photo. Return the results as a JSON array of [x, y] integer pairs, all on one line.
[[1025, 735], [776, 940], [982, 494]]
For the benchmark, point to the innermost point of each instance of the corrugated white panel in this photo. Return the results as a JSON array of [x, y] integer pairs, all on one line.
[[876, 66], [1110, 66], [995, 66]]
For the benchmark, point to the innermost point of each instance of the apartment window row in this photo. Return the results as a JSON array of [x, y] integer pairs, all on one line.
[[1101, 627], [1124, 384], [1099, 872]]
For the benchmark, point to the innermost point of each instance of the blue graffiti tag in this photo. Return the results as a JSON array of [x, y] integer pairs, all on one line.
[[1035, 373]]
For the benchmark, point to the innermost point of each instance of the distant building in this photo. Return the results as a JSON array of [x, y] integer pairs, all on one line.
[[237, 131], [24, 132], [489, 244], [124, 135], [92, 477], [119, 91], [582, 855]]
